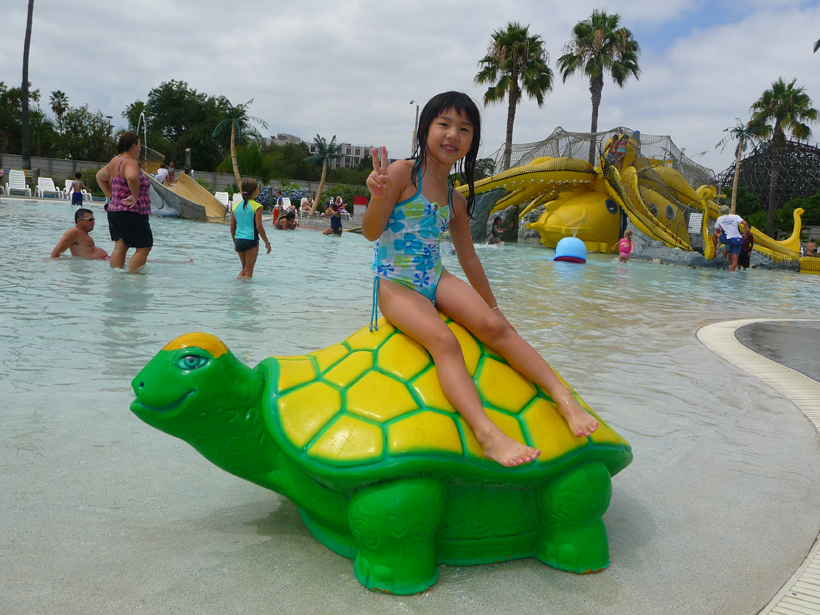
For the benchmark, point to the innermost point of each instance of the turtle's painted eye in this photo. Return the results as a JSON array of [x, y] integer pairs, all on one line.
[[192, 361]]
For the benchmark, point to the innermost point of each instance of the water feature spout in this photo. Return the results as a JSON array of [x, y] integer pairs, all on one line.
[[145, 134]]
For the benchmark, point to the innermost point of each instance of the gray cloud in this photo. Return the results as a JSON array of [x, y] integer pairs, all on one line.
[[350, 68]]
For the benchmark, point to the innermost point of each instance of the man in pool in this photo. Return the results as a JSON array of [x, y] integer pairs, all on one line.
[[728, 233], [78, 240]]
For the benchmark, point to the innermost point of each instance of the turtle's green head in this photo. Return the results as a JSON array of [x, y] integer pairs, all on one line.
[[196, 390]]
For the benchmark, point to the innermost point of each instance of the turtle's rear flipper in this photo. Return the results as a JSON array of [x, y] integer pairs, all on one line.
[[394, 526]]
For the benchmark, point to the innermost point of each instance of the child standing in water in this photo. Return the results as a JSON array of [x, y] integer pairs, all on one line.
[[625, 247], [76, 190], [246, 226], [411, 206], [495, 233]]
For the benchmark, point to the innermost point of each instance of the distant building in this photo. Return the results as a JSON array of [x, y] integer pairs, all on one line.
[[282, 138], [351, 155]]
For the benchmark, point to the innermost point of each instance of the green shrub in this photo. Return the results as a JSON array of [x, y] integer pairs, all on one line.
[[811, 205], [207, 185], [747, 203]]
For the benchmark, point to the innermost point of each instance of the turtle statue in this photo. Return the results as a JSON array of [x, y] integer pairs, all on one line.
[[382, 468]]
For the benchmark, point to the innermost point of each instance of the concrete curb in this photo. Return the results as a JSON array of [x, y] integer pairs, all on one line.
[[801, 593]]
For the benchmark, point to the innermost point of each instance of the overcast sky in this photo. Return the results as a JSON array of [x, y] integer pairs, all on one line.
[[350, 67]]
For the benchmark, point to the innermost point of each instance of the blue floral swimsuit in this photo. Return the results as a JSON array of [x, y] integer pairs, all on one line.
[[408, 251]]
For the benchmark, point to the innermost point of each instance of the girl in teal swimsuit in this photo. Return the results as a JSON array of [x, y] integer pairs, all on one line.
[[412, 203]]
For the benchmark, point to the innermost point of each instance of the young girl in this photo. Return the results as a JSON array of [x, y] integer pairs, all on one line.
[[246, 226], [332, 212], [611, 156], [620, 152], [625, 247], [495, 233], [412, 204]]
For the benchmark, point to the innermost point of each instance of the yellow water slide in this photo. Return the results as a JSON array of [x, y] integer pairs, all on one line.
[[572, 193], [186, 195], [188, 189]]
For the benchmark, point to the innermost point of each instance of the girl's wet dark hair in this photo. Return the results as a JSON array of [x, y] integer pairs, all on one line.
[[249, 186], [434, 108]]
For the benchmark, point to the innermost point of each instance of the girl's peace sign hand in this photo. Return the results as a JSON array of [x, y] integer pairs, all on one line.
[[379, 181]]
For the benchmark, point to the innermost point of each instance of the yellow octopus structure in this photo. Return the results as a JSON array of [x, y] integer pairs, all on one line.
[[585, 202]]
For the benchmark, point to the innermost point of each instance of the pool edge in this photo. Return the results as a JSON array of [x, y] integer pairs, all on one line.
[[803, 392]]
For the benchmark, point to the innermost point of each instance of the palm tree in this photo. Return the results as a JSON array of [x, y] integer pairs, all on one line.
[[26, 137], [326, 153], [59, 105], [743, 133], [516, 64], [782, 108], [238, 119], [600, 45]]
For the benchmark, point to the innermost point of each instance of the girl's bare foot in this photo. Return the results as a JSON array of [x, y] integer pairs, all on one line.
[[502, 449], [581, 422]]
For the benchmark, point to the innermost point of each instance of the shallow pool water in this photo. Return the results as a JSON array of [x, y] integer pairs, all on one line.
[[101, 510]]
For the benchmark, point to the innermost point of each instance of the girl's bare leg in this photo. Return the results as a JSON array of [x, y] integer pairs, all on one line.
[[463, 304], [117, 260], [241, 260], [137, 261], [418, 318], [250, 261]]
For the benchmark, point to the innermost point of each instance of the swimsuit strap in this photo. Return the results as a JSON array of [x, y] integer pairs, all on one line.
[[418, 192], [119, 165], [374, 311]]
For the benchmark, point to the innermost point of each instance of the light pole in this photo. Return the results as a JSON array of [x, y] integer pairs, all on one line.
[[109, 136], [415, 128]]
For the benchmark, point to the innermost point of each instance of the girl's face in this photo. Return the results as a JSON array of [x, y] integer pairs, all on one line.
[[450, 137]]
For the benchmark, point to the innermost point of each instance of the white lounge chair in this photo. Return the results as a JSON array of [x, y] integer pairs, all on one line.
[[222, 197], [45, 186], [17, 183]]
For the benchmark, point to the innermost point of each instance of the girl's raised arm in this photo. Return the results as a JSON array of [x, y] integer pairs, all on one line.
[[385, 183]]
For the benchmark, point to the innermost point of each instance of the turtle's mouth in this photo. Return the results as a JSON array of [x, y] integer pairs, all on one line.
[[167, 409]]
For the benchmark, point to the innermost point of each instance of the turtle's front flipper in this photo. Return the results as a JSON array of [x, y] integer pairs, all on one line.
[[394, 525], [573, 536]]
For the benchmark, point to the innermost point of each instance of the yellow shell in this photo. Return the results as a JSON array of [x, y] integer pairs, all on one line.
[[376, 396]]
